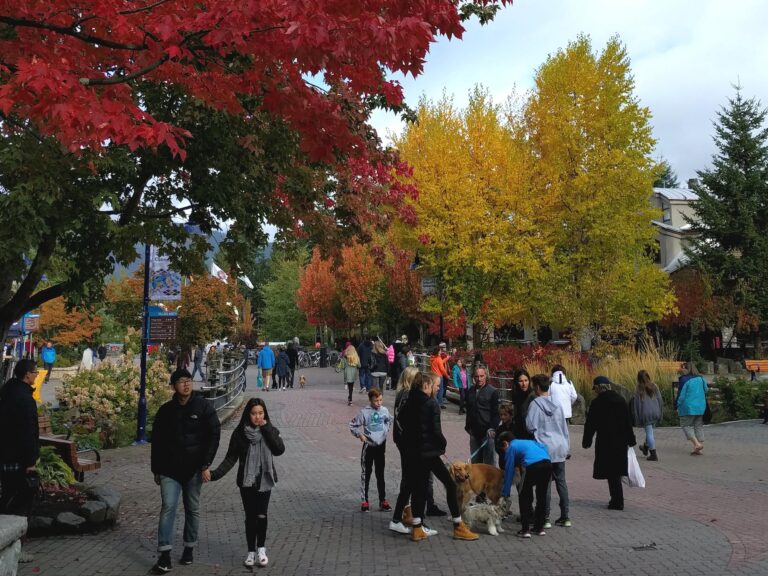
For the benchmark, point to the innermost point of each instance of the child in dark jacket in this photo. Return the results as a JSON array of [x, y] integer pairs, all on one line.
[[253, 444], [505, 425]]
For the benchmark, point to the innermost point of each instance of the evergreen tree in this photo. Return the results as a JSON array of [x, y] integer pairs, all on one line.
[[665, 176], [732, 211]]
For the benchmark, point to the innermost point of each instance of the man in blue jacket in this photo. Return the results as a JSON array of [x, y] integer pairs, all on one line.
[[48, 354], [266, 363]]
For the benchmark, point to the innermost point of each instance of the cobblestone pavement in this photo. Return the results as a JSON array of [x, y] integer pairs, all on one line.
[[697, 515]]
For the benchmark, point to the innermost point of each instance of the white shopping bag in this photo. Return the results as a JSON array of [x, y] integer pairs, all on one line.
[[634, 478]]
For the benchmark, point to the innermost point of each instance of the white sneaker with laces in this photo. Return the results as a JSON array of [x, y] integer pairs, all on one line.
[[250, 560], [262, 554], [429, 531], [399, 527]]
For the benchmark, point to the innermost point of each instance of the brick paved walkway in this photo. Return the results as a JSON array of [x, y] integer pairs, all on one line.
[[705, 515]]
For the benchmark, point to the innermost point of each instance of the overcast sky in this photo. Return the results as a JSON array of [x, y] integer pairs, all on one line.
[[685, 55]]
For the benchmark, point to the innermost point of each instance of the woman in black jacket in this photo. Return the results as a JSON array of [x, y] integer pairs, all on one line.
[[522, 397], [423, 443], [253, 443]]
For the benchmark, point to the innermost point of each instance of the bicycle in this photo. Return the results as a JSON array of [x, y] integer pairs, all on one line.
[[304, 359]]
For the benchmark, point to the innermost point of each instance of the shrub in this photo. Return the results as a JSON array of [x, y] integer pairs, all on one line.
[[105, 400], [740, 398], [53, 471]]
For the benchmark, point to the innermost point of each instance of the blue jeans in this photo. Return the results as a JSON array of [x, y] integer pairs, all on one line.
[[365, 378], [650, 441], [558, 475], [441, 392], [170, 490]]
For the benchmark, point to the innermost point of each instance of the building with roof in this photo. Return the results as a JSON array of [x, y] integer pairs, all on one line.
[[673, 230]]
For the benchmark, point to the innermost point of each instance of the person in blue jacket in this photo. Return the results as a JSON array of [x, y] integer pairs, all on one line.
[[266, 363], [48, 354], [532, 459], [691, 405]]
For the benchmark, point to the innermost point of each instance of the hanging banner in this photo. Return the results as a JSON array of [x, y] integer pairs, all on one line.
[[164, 283], [217, 272], [247, 281]]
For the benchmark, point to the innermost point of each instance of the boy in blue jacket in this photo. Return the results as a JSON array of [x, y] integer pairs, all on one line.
[[371, 426], [532, 459]]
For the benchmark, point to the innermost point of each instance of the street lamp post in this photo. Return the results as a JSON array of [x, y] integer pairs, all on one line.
[[141, 420]]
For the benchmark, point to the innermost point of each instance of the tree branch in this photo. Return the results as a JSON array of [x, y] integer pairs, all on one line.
[[122, 79], [19, 303], [43, 296], [147, 8], [129, 210], [70, 31]]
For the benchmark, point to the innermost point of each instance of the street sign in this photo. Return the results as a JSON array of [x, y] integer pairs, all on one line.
[[428, 285], [163, 327], [32, 322]]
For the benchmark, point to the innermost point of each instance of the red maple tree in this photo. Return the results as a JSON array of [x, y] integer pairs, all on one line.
[[67, 67]]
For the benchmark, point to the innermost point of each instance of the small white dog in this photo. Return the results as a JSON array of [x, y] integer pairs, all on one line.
[[488, 516]]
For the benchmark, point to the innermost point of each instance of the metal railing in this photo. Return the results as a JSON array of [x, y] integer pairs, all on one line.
[[224, 386], [503, 383]]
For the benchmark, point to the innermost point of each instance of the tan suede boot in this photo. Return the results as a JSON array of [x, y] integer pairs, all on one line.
[[407, 515], [418, 534], [461, 532]]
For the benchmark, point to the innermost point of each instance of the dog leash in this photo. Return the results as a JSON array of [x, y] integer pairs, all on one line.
[[476, 452]]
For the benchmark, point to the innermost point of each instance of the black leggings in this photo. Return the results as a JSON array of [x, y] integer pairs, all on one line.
[[350, 386], [537, 476], [418, 472], [255, 504]]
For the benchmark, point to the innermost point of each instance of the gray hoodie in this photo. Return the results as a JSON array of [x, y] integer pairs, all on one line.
[[375, 424], [546, 422]]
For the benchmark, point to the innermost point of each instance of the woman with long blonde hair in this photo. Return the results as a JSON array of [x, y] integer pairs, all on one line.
[[351, 365], [647, 408]]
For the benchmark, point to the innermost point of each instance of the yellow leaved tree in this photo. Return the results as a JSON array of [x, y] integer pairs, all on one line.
[[476, 233], [590, 146]]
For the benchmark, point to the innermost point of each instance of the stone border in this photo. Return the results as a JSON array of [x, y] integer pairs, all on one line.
[[100, 511]]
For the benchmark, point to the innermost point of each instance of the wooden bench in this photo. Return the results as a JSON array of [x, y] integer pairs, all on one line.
[[756, 365], [67, 449]]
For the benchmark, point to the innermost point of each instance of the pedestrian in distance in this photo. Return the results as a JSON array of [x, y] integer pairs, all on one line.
[[293, 360], [283, 370], [380, 365], [86, 362], [522, 397], [647, 408], [371, 426], [609, 420], [252, 446], [185, 437], [19, 443], [198, 362], [691, 405], [424, 444], [482, 417], [545, 421], [531, 461], [266, 363], [562, 391], [461, 383], [48, 355], [365, 354], [401, 363], [350, 363]]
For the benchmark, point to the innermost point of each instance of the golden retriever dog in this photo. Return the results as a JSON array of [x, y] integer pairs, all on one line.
[[474, 479]]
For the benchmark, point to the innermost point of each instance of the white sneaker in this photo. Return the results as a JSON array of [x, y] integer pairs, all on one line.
[[399, 527], [429, 531], [262, 554], [250, 560]]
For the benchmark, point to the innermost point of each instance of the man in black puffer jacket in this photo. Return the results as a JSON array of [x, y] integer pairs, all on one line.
[[185, 437], [19, 440]]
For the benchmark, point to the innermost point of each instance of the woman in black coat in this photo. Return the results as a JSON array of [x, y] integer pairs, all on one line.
[[610, 419], [252, 445], [521, 398]]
